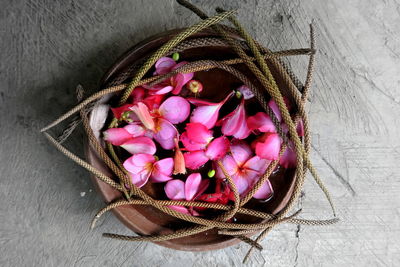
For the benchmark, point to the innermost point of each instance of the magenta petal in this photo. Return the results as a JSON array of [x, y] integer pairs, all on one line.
[[198, 132], [117, 136], [179, 81], [175, 109], [268, 147], [217, 148], [300, 128], [164, 65], [241, 152], [191, 145], [135, 129], [166, 134], [175, 189], [140, 144], [192, 185], [262, 122], [235, 124], [160, 89], [162, 170], [275, 109], [289, 158], [206, 115], [257, 164], [195, 160], [265, 191], [203, 187], [181, 209], [230, 166]]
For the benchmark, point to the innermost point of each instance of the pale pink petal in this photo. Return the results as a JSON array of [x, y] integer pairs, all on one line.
[[246, 92], [142, 112], [191, 145], [275, 109], [198, 132], [140, 144], [117, 136], [268, 146], [135, 129], [234, 124], [230, 166], [139, 162], [217, 148], [192, 185], [139, 179], [194, 160], [179, 80], [166, 134], [265, 191], [175, 109], [242, 184], [241, 152], [257, 164], [164, 65], [160, 88], [262, 122], [162, 170], [289, 158], [175, 189]]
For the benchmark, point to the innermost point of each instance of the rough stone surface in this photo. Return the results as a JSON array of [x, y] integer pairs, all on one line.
[[47, 47]]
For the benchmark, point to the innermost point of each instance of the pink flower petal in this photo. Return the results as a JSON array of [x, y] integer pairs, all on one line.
[[234, 124], [117, 136], [142, 112], [153, 101], [289, 158], [164, 65], [191, 145], [162, 170], [275, 109], [141, 144], [230, 166], [257, 164], [161, 88], [246, 92], [192, 185], [198, 133], [217, 148], [139, 179], [207, 113], [179, 80], [181, 209], [139, 162], [262, 122], [300, 128], [175, 189], [135, 129], [166, 134], [265, 191], [241, 152], [268, 146], [175, 109], [195, 160], [242, 184], [203, 187]]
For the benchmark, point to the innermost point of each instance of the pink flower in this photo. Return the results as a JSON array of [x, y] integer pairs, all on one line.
[[206, 112], [222, 195], [175, 83], [267, 146], [189, 190], [141, 167], [234, 124], [196, 137], [173, 110], [244, 168], [118, 136]]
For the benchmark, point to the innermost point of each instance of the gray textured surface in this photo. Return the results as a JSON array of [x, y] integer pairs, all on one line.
[[48, 47]]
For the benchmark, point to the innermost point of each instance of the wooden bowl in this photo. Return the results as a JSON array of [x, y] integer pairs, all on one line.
[[146, 220]]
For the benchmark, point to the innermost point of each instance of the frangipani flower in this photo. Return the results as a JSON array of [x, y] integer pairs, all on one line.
[[188, 190], [118, 136], [234, 124], [141, 167], [206, 113], [160, 121], [196, 137], [173, 84], [244, 168], [267, 146]]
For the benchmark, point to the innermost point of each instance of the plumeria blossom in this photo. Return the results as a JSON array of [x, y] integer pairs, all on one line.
[[267, 146], [173, 84], [188, 190], [234, 124], [142, 167], [222, 195], [207, 113], [198, 140], [173, 110], [245, 169]]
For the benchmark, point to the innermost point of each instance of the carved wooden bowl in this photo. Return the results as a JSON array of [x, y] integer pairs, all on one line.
[[146, 220]]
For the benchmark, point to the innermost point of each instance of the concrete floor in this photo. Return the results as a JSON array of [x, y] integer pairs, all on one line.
[[47, 47]]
